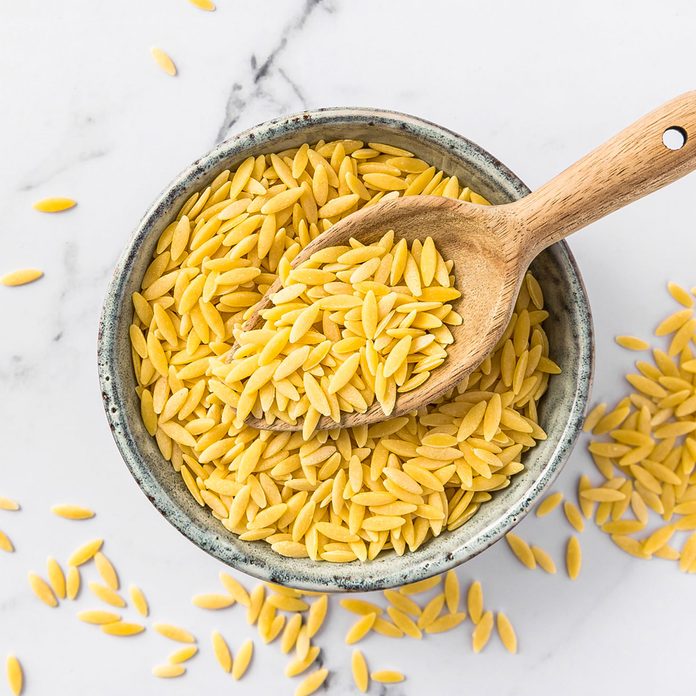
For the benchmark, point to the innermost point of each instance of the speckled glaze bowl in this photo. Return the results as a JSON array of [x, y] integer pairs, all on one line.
[[569, 329]]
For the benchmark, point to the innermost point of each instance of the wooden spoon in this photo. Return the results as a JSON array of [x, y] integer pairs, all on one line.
[[492, 246]]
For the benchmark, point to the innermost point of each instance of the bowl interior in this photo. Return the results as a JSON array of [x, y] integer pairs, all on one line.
[[569, 329]]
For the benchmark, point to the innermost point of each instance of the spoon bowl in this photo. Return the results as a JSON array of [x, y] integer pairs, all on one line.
[[487, 276]]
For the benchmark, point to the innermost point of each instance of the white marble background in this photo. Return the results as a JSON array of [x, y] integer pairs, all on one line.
[[84, 112]]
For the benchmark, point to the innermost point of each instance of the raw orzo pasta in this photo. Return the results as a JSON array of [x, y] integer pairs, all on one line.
[[342, 494]]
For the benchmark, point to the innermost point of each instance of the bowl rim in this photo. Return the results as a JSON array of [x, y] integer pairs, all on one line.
[[114, 403]]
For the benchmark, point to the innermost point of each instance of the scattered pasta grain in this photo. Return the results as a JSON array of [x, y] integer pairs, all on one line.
[[8, 504], [544, 560], [212, 601], [361, 675], [6, 543], [168, 671], [474, 601], [521, 550], [387, 676], [176, 633], [139, 601], [85, 552], [482, 632], [222, 651], [15, 675], [548, 504], [72, 512], [106, 570], [42, 590], [163, 60], [54, 205], [182, 654], [56, 578], [507, 634], [312, 682], [207, 5], [573, 516], [22, 276], [360, 628], [241, 662], [72, 582], [122, 628], [573, 558], [632, 343], [98, 617]]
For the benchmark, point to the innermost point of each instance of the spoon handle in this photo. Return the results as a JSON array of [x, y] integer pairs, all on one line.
[[632, 164]]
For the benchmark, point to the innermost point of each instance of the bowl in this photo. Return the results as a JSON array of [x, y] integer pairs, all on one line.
[[569, 329]]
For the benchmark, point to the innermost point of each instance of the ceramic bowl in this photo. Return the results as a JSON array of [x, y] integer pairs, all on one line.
[[569, 328]]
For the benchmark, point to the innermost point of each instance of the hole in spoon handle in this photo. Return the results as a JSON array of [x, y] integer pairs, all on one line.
[[654, 151]]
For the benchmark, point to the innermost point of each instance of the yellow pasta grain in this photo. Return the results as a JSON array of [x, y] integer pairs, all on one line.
[[317, 614], [72, 582], [521, 550], [658, 539], [507, 634], [573, 515], [573, 558], [106, 594], [163, 60], [212, 601], [42, 590], [8, 504], [139, 601], [180, 635], [54, 205], [548, 504], [387, 676], [474, 601], [312, 682], [632, 343], [360, 606], [421, 585], [404, 622], [221, 651], [235, 588], [452, 591], [431, 611], [56, 578], [446, 622], [543, 560], [21, 277], [6, 543], [169, 671], [72, 512], [593, 417], [85, 552], [291, 633], [687, 557], [682, 296], [360, 628], [602, 495], [482, 632], [361, 675], [98, 617], [15, 675], [207, 5], [241, 662], [122, 628], [106, 570]]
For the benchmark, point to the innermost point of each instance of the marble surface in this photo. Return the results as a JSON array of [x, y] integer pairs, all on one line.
[[85, 113]]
